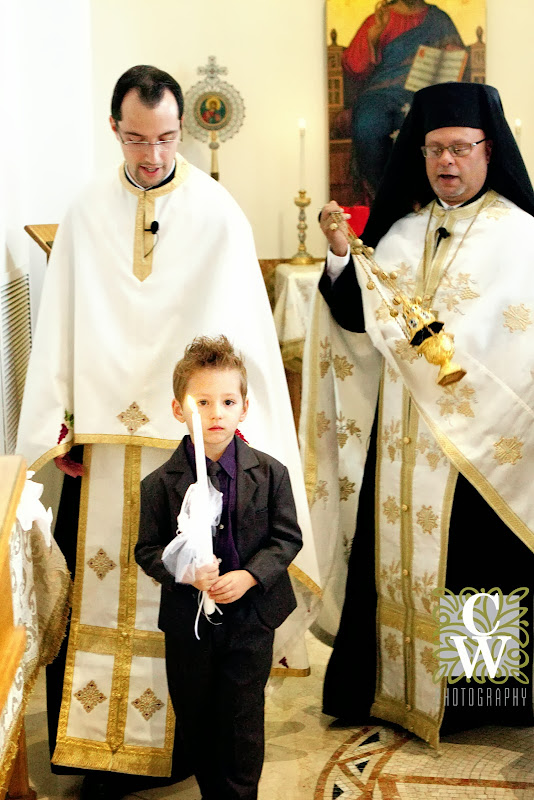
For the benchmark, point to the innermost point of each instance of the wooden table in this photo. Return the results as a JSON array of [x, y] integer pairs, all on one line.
[[44, 235]]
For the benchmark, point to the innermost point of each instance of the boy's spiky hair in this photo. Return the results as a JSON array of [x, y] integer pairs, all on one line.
[[210, 352]]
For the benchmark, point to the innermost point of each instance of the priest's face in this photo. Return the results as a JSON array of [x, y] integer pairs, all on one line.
[[138, 131], [457, 179]]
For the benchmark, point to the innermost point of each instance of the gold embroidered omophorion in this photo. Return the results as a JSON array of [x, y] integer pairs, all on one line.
[[119, 306]]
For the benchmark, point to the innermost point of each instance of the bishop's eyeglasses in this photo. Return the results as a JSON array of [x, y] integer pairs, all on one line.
[[456, 150]]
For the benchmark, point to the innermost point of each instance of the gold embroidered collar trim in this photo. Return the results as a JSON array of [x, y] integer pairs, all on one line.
[[144, 239], [463, 212], [432, 268], [182, 171]]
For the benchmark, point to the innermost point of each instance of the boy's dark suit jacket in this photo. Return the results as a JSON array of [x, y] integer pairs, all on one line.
[[266, 535]]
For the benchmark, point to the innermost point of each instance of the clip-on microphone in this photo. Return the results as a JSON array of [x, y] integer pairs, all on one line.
[[443, 233]]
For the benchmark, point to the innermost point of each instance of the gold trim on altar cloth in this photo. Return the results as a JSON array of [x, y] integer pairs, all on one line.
[[41, 602]]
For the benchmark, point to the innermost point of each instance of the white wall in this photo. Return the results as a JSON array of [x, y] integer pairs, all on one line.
[[275, 55], [510, 65], [46, 134], [276, 58]]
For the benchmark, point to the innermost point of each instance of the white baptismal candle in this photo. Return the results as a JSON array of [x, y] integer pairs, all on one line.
[[198, 441]]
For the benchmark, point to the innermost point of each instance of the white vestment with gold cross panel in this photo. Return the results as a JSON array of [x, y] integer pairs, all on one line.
[[479, 283], [119, 306]]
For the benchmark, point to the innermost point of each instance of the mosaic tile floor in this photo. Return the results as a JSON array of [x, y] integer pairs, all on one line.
[[381, 764], [310, 757]]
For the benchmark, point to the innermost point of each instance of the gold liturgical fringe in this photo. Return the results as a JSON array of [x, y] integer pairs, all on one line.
[[115, 713]]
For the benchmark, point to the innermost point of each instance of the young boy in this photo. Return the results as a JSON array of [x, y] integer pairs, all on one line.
[[217, 683]]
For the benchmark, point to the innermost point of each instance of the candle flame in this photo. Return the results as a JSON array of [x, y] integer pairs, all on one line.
[[191, 403], [302, 124]]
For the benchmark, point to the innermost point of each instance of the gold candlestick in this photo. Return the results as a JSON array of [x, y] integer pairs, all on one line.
[[302, 256]]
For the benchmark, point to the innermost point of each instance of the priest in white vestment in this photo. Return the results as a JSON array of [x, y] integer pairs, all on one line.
[[437, 478], [147, 258]]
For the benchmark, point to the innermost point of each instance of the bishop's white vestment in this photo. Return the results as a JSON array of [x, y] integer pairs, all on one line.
[[478, 281], [119, 306]]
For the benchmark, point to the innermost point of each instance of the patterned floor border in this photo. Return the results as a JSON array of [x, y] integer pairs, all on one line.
[[361, 769]]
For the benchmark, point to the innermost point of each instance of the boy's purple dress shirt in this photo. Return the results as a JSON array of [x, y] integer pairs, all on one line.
[[223, 545]]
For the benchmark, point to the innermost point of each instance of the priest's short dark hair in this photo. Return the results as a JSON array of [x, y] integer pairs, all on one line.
[[151, 83]]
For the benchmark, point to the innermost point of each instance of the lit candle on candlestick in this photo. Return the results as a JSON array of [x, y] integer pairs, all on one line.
[[198, 441], [517, 131], [302, 159]]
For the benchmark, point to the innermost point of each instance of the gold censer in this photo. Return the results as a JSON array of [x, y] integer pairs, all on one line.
[[424, 332]]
